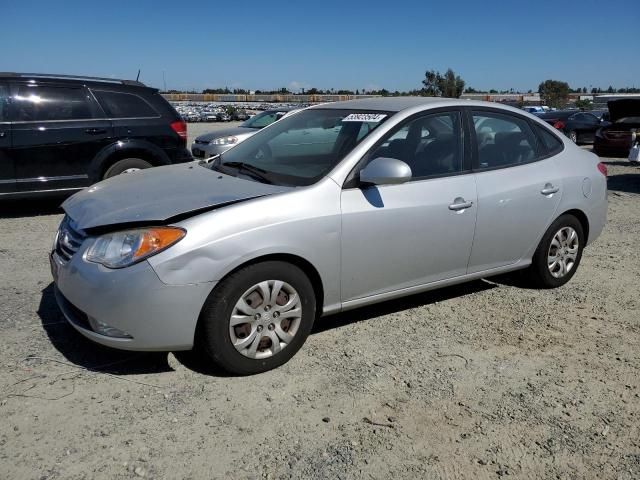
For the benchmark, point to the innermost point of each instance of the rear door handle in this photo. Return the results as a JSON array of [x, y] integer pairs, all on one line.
[[2, 134], [549, 189], [460, 204], [95, 131]]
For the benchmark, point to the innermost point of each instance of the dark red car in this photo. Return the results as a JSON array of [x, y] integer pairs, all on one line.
[[615, 138]]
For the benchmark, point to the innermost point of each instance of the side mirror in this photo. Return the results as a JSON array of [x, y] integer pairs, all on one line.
[[385, 171]]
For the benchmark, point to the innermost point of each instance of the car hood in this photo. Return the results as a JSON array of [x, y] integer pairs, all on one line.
[[158, 194], [628, 107], [226, 132]]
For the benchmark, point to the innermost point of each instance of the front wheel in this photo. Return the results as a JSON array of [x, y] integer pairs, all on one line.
[[559, 253], [258, 317]]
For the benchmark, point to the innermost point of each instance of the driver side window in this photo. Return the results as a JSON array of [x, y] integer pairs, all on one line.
[[431, 145]]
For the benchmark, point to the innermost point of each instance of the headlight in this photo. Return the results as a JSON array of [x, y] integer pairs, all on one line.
[[121, 249], [224, 141]]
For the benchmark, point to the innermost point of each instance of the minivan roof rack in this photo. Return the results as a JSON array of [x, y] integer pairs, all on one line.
[[73, 77]]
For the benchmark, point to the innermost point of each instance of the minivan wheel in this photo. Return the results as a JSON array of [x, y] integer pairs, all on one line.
[[257, 318], [126, 165], [558, 255]]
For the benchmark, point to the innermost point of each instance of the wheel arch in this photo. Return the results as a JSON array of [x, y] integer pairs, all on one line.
[[122, 149], [303, 264], [582, 218]]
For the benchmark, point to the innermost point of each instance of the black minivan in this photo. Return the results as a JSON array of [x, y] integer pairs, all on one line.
[[62, 133]]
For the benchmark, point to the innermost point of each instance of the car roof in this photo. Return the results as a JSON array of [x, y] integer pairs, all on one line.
[[397, 104], [52, 78]]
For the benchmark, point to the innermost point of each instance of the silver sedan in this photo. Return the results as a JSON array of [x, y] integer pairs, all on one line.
[[335, 207]]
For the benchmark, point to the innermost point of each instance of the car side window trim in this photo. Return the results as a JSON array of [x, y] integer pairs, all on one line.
[[110, 118], [352, 182], [94, 106], [539, 153]]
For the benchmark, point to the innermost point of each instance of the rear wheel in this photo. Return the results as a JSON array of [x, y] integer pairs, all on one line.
[[126, 165], [558, 255], [573, 136], [257, 318]]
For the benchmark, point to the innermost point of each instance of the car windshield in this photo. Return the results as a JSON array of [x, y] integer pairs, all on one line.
[[263, 119], [300, 149]]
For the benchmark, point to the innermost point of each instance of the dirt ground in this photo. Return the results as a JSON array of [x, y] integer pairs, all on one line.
[[484, 380]]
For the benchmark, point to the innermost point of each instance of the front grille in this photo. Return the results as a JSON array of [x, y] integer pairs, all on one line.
[[69, 239]]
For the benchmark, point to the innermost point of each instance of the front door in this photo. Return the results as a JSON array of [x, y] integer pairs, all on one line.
[[7, 171], [400, 236], [56, 134]]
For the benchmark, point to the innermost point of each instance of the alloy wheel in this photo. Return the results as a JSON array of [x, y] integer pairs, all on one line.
[[563, 252]]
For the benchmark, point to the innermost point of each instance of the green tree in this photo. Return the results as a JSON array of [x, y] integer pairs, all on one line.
[[584, 104], [554, 93], [438, 85]]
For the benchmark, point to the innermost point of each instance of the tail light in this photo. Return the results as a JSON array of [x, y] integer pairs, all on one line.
[[180, 127], [602, 168], [559, 125]]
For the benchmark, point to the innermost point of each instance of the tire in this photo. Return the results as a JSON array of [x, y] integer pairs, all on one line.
[[543, 272], [121, 166], [573, 136], [254, 351]]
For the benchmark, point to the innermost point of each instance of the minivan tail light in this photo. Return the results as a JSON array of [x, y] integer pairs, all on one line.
[[602, 168], [559, 125], [180, 127]]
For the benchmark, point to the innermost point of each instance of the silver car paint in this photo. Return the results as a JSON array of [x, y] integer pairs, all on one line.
[[354, 239], [158, 194]]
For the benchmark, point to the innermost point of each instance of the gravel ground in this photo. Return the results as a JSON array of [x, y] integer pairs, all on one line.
[[484, 380]]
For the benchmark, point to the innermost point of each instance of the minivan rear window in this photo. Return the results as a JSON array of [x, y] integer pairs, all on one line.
[[124, 105]]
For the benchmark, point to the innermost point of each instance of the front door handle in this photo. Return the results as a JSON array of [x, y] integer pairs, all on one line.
[[460, 204], [95, 131], [549, 189], [2, 134]]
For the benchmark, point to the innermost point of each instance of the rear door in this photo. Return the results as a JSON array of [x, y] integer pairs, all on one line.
[[7, 170], [519, 189], [57, 132]]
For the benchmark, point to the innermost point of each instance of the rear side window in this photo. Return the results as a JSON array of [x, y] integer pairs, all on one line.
[[4, 103], [549, 143], [124, 105], [503, 140], [43, 103]]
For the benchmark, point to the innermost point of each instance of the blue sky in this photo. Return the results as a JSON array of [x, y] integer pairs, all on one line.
[[331, 44]]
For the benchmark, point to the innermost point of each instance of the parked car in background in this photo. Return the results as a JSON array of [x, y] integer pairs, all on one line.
[[220, 141], [335, 207], [615, 137], [63, 133], [240, 115], [535, 109], [579, 126], [223, 117]]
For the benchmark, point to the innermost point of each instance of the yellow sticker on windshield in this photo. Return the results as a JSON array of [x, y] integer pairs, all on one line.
[[364, 117]]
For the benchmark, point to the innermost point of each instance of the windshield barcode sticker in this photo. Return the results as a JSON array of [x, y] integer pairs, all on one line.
[[364, 117]]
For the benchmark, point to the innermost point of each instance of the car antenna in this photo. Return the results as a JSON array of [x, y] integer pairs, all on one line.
[[138, 77]]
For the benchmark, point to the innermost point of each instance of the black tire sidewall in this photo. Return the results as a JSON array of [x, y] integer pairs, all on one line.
[[213, 331], [121, 165], [540, 269]]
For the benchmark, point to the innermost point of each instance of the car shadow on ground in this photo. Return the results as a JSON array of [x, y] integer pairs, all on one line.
[[627, 182], [87, 354], [393, 306], [82, 352], [31, 207]]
